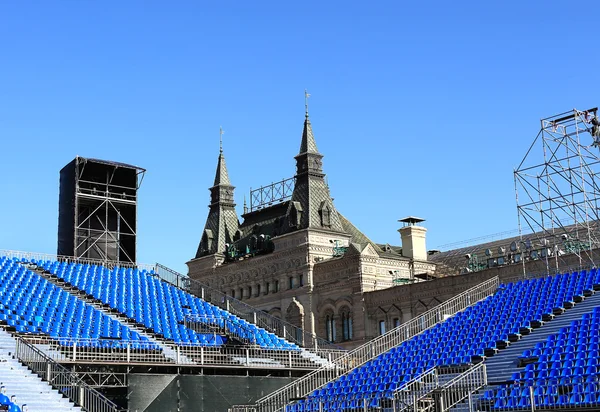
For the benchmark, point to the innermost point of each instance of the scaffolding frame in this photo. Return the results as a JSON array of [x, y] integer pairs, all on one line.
[[97, 202], [557, 192]]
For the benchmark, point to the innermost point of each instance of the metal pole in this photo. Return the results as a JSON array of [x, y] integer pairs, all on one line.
[[532, 399]]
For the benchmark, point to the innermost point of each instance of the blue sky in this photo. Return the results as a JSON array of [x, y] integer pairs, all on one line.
[[419, 108]]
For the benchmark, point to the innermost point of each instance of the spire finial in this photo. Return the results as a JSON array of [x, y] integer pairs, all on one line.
[[221, 139], [306, 96], [245, 206]]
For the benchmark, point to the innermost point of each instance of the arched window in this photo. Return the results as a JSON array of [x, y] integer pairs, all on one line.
[[330, 327], [346, 325]]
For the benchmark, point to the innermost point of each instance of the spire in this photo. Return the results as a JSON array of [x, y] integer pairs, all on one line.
[[222, 223], [311, 205], [308, 144], [221, 176]]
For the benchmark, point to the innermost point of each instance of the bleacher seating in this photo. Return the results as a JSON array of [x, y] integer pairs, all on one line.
[[33, 305], [564, 371], [159, 305], [480, 329]]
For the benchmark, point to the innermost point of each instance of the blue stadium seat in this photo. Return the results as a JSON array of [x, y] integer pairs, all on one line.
[[482, 329], [160, 306], [33, 305]]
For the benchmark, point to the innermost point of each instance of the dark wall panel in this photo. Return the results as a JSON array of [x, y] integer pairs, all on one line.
[[167, 393], [66, 210]]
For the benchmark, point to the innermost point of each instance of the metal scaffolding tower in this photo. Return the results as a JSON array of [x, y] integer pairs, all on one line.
[[557, 191]]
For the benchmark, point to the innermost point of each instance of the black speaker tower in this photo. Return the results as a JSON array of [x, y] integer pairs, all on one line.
[[97, 210]]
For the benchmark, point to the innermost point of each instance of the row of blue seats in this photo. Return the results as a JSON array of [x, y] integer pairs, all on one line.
[[511, 398], [473, 333], [33, 305], [157, 304]]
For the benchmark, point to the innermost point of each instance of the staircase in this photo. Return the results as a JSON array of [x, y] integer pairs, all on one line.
[[277, 400], [28, 388], [168, 349], [313, 357], [501, 366]]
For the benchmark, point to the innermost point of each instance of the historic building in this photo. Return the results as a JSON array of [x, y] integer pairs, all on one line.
[[302, 260], [297, 257]]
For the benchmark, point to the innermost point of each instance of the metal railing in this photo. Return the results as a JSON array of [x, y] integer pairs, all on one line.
[[103, 351], [221, 326], [63, 380], [359, 356], [463, 387], [242, 310], [416, 394]]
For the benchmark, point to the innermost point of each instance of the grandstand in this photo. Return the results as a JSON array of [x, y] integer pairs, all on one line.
[[85, 314], [464, 358], [103, 336], [541, 350]]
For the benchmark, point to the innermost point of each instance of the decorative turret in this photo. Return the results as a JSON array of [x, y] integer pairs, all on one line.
[[222, 224], [311, 205]]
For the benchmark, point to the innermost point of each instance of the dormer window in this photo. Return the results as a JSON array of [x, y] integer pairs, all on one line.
[[325, 212], [295, 216], [207, 238]]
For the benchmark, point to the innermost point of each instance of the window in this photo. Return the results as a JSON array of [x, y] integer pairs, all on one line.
[[300, 280], [233, 293], [276, 286], [346, 326], [249, 291], [241, 294], [291, 285], [258, 290], [330, 328], [396, 322], [382, 327], [268, 288], [326, 216], [295, 215]]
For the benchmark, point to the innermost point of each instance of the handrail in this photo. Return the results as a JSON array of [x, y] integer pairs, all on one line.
[[442, 396], [63, 380], [220, 325], [249, 313], [416, 389], [359, 356], [144, 352], [462, 386]]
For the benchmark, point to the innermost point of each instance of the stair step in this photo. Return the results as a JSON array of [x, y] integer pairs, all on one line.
[[27, 387]]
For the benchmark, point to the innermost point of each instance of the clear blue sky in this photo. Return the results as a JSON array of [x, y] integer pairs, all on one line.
[[420, 108]]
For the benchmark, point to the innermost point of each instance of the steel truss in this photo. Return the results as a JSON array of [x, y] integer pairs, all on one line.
[[106, 216], [557, 192], [101, 379]]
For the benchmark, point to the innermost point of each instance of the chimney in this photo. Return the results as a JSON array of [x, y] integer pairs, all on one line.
[[413, 238]]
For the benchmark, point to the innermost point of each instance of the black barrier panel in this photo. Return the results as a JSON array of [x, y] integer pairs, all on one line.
[[172, 393]]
